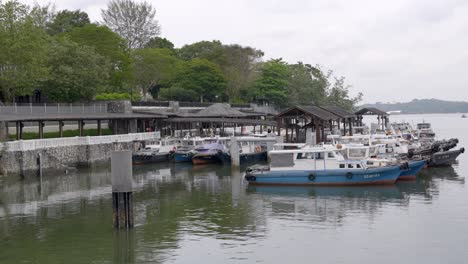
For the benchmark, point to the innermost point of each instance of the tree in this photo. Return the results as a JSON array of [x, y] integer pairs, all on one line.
[[178, 94], [66, 20], [272, 84], [159, 43], [307, 85], [203, 77], [209, 50], [239, 69], [134, 21], [110, 45], [76, 72], [42, 16], [153, 67], [23, 51], [338, 95]]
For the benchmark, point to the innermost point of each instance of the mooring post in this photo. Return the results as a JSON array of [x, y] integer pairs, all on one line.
[[122, 196], [234, 150]]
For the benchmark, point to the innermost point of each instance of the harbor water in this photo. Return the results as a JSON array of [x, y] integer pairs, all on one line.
[[207, 214]]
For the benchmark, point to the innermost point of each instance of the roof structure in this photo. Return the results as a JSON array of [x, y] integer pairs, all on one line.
[[339, 111], [219, 110], [311, 110], [371, 111], [240, 121]]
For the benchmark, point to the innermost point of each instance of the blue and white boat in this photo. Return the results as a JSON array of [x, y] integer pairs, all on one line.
[[209, 152], [185, 150], [318, 166]]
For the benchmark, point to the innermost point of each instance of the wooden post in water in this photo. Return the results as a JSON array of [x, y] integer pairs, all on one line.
[[122, 196]]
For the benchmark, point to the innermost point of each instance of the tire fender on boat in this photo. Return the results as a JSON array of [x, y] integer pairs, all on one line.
[[462, 150], [251, 178], [311, 177], [349, 175]]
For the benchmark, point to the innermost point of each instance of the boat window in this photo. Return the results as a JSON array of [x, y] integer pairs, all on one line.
[[350, 166], [319, 155], [310, 155], [358, 166], [331, 155], [300, 156], [342, 166], [370, 163]]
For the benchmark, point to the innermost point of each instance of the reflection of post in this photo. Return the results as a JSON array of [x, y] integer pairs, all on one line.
[[236, 179], [122, 197], [124, 247]]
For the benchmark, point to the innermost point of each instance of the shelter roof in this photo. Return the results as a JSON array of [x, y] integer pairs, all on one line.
[[220, 110], [311, 110], [371, 111]]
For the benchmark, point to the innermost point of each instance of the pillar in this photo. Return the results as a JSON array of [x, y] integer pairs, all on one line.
[[323, 131], [122, 193], [41, 129], [18, 131], [81, 124], [234, 151], [99, 129], [317, 133], [350, 126], [61, 124]]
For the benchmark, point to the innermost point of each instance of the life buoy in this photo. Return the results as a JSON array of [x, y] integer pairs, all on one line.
[[251, 178], [311, 177], [349, 175]]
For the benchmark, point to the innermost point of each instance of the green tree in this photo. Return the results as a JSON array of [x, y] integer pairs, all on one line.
[[203, 77], [110, 45], [272, 84], [23, 51], [159, 43], [132, 20], [77, 72], [67, 20], [153, 68], [178, 94], [240, 69], [208, 50], [338, 95], [307, 85]]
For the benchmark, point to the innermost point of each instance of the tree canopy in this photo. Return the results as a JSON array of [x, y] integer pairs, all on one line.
[[134, 21], [70, 58]]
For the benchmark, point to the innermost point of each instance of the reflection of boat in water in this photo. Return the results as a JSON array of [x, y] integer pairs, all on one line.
[[385, 192]]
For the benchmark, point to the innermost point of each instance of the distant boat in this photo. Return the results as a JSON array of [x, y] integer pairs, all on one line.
[[463, 116], [394, 112]]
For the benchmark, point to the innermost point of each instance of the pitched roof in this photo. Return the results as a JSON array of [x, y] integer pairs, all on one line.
[[371, 111], [310, 110], [220, 110]]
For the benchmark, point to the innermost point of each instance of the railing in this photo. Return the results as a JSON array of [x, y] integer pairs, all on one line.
[[25, 108], [185, 104], [23, 145]]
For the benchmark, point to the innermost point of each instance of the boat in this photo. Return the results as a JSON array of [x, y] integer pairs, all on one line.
[[150, 154], [184, 152], [463, 116], [208, 153], [249, 152], [318, 166], [426, 135]]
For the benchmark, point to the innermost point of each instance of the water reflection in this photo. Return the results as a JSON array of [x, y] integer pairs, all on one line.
[[64, 215]]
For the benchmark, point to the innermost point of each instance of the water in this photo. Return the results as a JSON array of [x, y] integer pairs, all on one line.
[[205, 214]]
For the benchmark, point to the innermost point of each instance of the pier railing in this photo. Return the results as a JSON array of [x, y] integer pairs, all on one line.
[[42, 108], [24, 145]]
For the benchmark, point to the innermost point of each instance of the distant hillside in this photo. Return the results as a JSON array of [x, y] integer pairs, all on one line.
[[424, 106]]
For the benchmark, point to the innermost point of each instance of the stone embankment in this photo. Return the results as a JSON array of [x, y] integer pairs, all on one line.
[[27, 157]]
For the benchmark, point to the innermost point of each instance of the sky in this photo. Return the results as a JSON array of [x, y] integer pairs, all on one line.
[[391, 51]]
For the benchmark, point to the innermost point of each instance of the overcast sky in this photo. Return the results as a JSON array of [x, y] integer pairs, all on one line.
[[389, 50]]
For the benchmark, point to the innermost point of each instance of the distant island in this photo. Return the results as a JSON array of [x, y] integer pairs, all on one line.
[[422, 106]]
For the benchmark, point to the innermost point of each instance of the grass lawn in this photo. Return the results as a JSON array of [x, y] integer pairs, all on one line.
[[66, 133]]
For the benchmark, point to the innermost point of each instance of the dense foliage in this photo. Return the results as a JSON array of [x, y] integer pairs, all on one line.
[[69, 58]]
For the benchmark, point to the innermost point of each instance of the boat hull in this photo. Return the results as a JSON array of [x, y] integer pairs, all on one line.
[[385, 175], [414, 167], [445, 158], [225, 158], [183, 157], [205, 159], [154, 158]]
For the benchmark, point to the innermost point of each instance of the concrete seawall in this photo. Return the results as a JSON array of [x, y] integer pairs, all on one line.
[[23, 157]]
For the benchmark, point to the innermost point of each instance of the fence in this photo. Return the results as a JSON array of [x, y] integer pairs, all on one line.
[[23, 145], [53, 108]]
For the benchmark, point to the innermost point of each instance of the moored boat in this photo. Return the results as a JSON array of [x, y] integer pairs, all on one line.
[[318, 166], [208, 153], [150, 154]]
